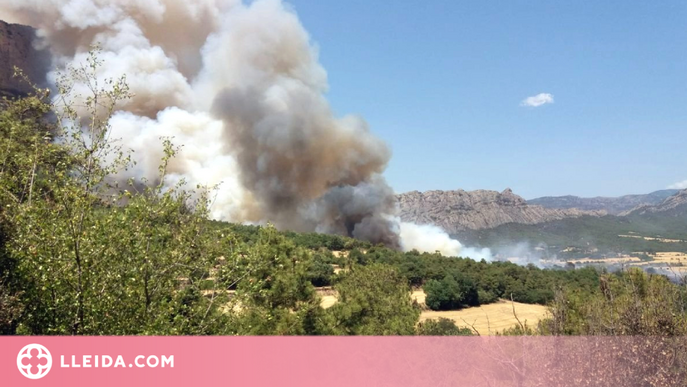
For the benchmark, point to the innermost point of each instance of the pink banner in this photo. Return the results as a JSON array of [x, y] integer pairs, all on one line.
[[336, 361]]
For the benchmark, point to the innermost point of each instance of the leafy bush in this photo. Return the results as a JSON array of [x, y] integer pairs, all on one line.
[[454, 291], [374, 300], [486, 297], [320, 272], [441, 327], [77, 259], [631, 303]]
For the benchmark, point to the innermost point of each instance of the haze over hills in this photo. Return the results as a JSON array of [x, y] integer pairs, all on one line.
[[492, 219], [641, 231], [612, 205]]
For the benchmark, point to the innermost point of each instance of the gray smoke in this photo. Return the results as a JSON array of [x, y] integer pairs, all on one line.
[[240, 87], [307, 169]]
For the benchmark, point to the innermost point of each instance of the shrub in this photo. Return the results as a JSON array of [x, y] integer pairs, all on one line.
[[486, 297], [374, 300], [320, 271], [441, 327], [454, 291]]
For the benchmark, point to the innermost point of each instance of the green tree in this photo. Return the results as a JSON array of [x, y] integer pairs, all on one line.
[[628, 303], [441, 327], [275, 292], [374, 300], [321, 271], [452, 292], [93, 257], [30, 168]]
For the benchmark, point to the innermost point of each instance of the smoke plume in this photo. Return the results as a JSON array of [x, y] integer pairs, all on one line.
[[239, 86]]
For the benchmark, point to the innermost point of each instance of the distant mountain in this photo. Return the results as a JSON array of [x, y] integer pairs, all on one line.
[[17, 49], [660, 227], [674, 205], [660, 231], [612, 205], [474, 210]]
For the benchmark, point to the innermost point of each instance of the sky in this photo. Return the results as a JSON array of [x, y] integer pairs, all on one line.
[[547, 98]]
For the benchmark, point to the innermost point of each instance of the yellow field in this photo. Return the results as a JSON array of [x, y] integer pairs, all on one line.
[[486, 319], [670, 257], [327, 295], [659, 239], [624, 259], [492, 318], [419, 296], [340, 254], [328, 301], [674, 262]]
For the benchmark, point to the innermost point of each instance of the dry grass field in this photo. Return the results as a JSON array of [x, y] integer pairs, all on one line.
[[328, 301], [486, 319], [624, 259], [674, 262], [492, 318], [419, 296], [670, 257], [659, 239], [328, 296]]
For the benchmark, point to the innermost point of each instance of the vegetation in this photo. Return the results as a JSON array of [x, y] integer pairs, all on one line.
[[374, 300], [275, 295], [588, 235], [441, 327], [629, 303], [84, 253], [493, 280], [454, 291]]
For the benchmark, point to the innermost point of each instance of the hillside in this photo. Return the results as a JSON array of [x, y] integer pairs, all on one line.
[[675, 205], [17, 49], [645, 229], [502, 221], [476, 210], [612, 205]]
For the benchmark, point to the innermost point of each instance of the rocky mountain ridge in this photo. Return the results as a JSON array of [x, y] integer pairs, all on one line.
[[474, 210], [673, 203], [612, 205]]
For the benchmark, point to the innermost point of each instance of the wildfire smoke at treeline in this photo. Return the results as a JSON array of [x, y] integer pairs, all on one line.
[[239, 86]]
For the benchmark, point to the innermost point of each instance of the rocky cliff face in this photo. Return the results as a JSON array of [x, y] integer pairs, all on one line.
[[17, 49], [461, 210], [674, 205], [612, 205]]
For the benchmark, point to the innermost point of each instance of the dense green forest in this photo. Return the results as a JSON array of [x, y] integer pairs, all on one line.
[[82, 253]]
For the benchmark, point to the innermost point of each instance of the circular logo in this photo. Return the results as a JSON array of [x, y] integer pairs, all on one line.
[[34, 361]]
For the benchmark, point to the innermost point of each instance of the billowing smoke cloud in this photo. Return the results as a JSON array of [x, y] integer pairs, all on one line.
[[241, 88], [431, 238]]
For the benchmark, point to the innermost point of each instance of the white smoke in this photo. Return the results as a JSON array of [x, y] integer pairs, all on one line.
[[524, 253], [430, 238], [240, 87]]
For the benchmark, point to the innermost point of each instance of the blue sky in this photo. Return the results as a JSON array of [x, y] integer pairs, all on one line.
[[443, 83]]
